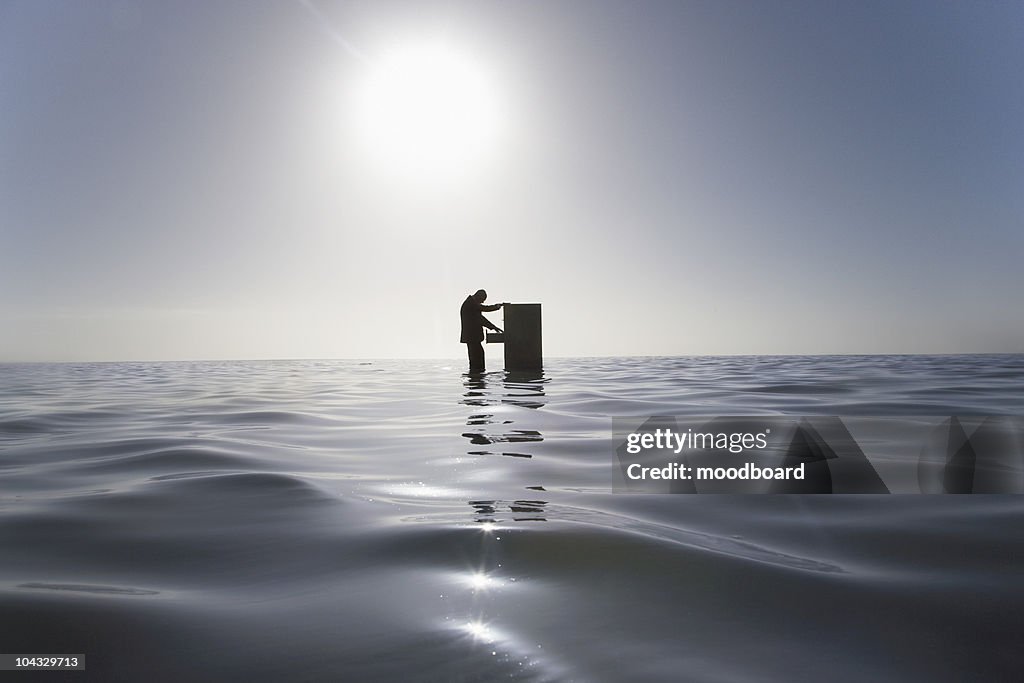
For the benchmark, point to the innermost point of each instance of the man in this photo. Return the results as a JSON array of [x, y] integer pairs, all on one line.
[[473, 324]]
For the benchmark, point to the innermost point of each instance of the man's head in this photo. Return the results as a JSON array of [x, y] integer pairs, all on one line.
[[480, 296]]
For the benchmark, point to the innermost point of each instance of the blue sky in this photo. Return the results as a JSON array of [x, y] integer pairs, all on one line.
[[184, 180]]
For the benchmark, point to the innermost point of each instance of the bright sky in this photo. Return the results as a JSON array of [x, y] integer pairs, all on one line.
[[289, 179]]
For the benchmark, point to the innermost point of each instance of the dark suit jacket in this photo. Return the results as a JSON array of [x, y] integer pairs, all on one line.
[[473, 320]]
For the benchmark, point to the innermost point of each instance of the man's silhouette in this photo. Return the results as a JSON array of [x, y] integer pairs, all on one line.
[[473, 324]]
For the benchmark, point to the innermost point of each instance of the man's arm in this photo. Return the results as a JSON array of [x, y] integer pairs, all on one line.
[[488, 323]]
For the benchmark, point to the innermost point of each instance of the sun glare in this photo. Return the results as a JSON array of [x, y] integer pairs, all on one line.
[[427, 111]]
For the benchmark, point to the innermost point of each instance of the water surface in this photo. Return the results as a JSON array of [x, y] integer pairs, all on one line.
[[399, 520]]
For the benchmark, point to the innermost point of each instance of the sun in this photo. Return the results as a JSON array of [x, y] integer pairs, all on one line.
[[427, 111]]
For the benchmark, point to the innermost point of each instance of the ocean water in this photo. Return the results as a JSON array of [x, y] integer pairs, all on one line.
[[399, 520]]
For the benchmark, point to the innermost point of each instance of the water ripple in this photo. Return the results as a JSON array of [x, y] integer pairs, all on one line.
[[328, 520]]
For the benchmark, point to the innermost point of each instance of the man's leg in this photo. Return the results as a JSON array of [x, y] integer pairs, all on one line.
[[476, 356]]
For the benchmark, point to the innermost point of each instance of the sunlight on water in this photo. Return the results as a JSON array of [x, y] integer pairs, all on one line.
[[479, 581]]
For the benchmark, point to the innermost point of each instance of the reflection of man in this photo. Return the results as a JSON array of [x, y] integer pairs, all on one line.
[[473, 324]]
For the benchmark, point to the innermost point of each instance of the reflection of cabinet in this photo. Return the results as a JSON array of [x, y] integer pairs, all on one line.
[[522, 337]]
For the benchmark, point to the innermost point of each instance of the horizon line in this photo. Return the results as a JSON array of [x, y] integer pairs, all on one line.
[[367, 359]]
